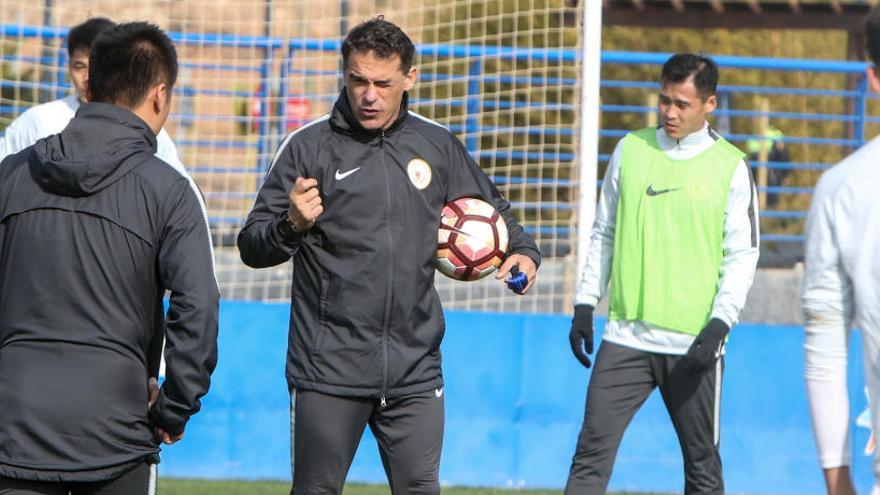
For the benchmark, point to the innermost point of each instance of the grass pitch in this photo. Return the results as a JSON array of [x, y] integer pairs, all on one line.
[[224, 487], [171, 486]]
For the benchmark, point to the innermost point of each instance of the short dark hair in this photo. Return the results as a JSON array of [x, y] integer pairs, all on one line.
[[81, 36], [383, 38], [682, 66], [127, 60], [872, 34]]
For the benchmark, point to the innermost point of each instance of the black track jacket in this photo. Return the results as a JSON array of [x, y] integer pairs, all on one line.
[[93, 230], [365, 318]]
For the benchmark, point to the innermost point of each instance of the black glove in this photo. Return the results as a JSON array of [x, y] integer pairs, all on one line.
[[581, 335], [706, 349]]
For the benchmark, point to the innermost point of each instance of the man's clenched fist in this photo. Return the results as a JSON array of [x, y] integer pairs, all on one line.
[[305, 204]]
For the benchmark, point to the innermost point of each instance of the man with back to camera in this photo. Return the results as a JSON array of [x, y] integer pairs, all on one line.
[[676, 235], [840, 290], [354, 199], [51, 118], [93, 230]]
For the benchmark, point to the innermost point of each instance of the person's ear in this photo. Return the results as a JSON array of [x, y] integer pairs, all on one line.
[[874, 78], [711, 103], [161, 98], [410, 78]]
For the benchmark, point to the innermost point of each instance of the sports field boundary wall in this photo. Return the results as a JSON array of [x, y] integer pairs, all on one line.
[[514, 404]]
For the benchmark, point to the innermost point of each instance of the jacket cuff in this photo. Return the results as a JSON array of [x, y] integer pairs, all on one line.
[[531, 253], [588, 300], [173, 426], [283, 233]]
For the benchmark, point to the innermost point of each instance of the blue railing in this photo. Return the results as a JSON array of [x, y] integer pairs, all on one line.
[[272, 126]]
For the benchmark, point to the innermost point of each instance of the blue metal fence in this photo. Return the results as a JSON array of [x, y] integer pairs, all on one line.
[[271, 127]]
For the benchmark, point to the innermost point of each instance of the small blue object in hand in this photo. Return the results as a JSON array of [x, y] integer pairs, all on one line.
[[518, 280]]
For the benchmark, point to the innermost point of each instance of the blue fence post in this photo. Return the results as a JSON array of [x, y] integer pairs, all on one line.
[[861, 110], [472, 124]]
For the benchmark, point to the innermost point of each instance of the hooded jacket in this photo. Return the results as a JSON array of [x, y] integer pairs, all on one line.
[[366, 320], [93, 230]]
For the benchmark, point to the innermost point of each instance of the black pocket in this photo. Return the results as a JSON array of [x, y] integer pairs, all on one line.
[[322, 312]]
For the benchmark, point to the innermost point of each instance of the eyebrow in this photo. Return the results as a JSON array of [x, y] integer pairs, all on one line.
[[358, 77], [673, 100]]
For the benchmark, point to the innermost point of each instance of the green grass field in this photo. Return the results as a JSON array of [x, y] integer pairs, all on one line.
[[212, 487], [206, 487]]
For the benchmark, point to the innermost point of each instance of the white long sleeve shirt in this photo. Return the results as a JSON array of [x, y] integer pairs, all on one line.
[[842, 269], [52, 117], [737, 267]]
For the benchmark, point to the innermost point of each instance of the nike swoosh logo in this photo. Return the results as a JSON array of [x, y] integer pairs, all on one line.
[[652, 192], [345, 174], [438, 392]]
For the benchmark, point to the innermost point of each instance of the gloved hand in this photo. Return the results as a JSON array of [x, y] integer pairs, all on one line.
[[706, 349], [581, 335]]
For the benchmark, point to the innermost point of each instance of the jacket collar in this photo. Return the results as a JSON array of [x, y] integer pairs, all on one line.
[[112, 114], [342, 119], [99, 146]]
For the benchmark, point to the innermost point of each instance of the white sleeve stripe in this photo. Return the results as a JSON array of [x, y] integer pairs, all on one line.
[[290, 136], [753, 192], [426, 119], [201, 200]]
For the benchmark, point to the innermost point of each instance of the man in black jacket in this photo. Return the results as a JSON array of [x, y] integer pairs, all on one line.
[[354, 199], [93, 230]]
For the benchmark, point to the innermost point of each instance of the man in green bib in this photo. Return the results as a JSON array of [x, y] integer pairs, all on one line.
[[676, 235]]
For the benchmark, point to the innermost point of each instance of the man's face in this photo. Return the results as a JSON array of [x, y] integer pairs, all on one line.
[[78, 69], [375, 88], [682, 110]]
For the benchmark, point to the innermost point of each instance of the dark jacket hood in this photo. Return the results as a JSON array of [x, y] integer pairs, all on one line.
[[101, 144], [343, 120]]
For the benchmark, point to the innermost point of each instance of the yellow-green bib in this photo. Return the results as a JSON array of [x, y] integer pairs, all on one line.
[[669, 236]]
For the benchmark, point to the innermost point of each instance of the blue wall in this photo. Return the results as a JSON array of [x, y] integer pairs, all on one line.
[[514, 405]]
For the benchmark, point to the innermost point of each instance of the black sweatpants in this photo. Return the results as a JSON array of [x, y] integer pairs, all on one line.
[[622, 380], [139, 481], [326, 430]]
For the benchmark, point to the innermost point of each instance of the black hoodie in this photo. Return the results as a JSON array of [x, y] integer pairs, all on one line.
[[365, 318], [93, 230]]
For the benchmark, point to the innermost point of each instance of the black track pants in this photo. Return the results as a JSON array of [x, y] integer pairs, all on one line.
[[139, 481], [326, 430], [622, 380]]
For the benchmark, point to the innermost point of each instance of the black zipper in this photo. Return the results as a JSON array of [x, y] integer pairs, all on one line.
[[388, 295]]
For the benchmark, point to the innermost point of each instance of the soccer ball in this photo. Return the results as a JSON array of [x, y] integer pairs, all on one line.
[[471, 241]]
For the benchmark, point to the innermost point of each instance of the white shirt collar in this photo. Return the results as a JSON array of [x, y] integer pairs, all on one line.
[[688, 146], [72, 101], [694, 139]]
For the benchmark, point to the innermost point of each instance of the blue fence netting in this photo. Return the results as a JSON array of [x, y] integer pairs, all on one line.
[[847, 129]]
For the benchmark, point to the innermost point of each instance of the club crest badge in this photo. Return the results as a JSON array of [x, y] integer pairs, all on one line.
[[419, 173]]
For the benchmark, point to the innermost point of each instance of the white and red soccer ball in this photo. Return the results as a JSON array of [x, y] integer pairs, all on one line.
[[471, 241]]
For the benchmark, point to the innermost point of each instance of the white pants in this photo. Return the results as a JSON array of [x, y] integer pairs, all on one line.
[[825, 359]]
